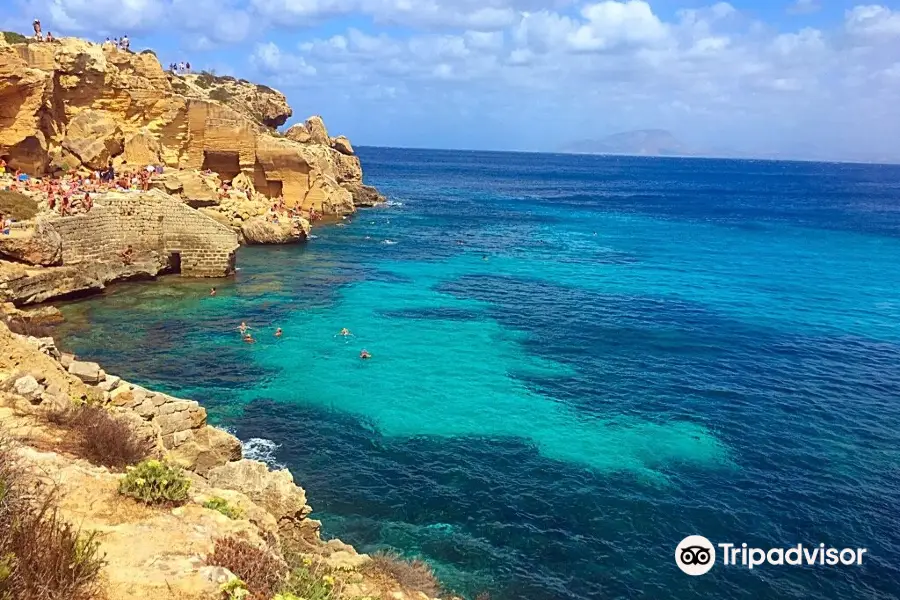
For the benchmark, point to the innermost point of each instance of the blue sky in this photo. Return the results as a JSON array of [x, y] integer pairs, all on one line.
[[794, 78]]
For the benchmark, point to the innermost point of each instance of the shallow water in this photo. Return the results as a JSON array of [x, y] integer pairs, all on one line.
[[577, 361]]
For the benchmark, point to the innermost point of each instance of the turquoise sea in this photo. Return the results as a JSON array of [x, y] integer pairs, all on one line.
[[576, 362]]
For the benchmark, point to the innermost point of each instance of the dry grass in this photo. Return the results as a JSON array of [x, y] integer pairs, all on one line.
[[42, 557], [261, 570], [102, 438], [415, 575], [17, 205]]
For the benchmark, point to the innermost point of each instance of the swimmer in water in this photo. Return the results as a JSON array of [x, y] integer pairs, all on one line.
[[278, 332], [345, 332], [243, 328], [249, 339], [484, 257], [365, 355], [212, 291]]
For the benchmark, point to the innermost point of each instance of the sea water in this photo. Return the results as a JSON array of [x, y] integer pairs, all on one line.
[[576, 362]]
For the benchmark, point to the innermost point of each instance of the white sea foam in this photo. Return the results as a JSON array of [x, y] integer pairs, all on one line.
[[262, 450], [389, 242], [393, 203]]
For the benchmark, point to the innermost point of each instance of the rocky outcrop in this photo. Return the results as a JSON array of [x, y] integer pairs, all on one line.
[[259, 230], [40, 246], [76, 104], [94, 138], [273, 490], [364, 196]]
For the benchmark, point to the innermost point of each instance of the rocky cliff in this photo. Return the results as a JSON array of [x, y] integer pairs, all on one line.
[[178, 555], [73, 104]]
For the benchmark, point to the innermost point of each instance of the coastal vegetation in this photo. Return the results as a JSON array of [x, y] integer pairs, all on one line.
[[221, 505], [12, 37], [100, 437], [42, 557], [156, 482], [414, 574]]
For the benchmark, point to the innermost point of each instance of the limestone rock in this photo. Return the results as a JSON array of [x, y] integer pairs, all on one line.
[[193, 186], [88, 372], [94, 137], [298, 133], [28, 388], [142, 148], [34, 247], [260, 231], [273, 490], [209, 448], [317, 132], [342, 145], [363, 195]]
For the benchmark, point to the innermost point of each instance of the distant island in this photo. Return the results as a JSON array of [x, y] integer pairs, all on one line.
[[642, 142]]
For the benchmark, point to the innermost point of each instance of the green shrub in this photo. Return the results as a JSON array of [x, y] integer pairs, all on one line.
[[220, 94], [221, 505], [17, 205], [155, 482], [12, 37], [235, 589], [310, 582]]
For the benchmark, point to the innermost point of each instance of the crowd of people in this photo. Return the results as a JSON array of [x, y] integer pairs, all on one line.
[[248, 338], [122, 43], [180, 68], [72, 193]]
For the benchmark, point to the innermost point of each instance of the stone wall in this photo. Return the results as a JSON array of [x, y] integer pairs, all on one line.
[[159, 229]]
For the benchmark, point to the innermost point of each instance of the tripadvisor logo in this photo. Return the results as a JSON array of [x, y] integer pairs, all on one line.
[[696, 555]]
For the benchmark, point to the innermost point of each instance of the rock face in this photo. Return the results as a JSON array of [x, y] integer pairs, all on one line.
[[41, 246], [260, 231], [76, 104], [94, 138], [273, 490]]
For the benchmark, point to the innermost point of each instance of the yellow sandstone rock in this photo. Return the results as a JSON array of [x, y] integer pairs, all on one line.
[[77, 104]]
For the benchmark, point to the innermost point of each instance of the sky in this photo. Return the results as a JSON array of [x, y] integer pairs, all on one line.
[[788, 78]]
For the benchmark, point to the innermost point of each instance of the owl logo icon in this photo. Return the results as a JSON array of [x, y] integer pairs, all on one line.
[[695, 555]]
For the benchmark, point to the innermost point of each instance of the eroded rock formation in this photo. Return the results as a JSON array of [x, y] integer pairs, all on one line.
[[73, 104]]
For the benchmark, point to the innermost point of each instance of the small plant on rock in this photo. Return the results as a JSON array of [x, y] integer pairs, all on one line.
[[235, 589], [106, 440], [311, 582], [413, 574], [155, 482], [221, 505]]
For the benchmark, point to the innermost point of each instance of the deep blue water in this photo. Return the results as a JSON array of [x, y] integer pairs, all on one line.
[[577, 362]]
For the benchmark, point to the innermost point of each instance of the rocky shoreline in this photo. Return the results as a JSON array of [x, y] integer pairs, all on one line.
[[221, 175], [38, 381]]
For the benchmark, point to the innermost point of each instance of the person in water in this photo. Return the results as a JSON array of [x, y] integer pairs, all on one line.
[[212, 291], [249, 339], [365, 354], [243, 328], [278, 332], [345, 332]]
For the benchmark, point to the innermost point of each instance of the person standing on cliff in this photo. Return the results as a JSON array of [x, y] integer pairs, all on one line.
[[37, 30]]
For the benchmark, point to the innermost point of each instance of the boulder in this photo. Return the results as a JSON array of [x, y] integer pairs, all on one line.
[[273, 490], [207, 448], [258, 230], [318, 134], [298, 133], [40, 246], [363, 195], [193, 186], [342, 145], [28, 387], [88, 372], [94, 138]]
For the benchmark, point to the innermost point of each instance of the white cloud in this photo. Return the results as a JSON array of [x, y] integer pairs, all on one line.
[[873, 20], [269, 59]]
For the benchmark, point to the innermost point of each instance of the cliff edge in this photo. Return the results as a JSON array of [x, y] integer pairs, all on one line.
[[73, 104]]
